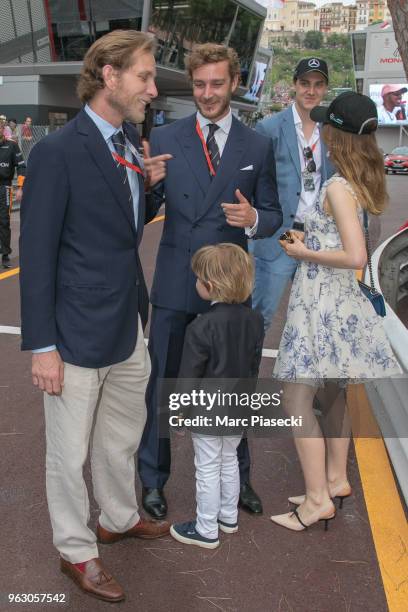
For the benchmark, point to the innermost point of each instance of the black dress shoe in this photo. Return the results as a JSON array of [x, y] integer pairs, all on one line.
[[248, 499], [5, 261], [154, 502]]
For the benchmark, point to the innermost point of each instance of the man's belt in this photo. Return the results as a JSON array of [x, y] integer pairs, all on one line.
[[298, 226]]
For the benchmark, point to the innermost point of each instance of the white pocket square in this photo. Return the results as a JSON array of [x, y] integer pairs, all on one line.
[[248, 167]]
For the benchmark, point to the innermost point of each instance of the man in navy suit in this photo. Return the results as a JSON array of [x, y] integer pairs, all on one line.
[[85, 303], [302, 167], [220, 187]]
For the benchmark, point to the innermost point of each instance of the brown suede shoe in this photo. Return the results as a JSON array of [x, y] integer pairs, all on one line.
[[148, 530], [94, 580]]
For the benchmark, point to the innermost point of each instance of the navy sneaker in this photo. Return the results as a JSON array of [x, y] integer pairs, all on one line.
[[228, 527], [187, 534]]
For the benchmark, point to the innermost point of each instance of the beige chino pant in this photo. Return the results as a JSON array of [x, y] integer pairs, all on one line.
[[113, 398]]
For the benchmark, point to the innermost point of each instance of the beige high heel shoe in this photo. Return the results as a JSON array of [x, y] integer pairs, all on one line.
[[292, 520], [340, 492]]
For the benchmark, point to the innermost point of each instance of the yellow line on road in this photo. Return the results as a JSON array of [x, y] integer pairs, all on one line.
[[388, 523], [9, 273], [156, 219]]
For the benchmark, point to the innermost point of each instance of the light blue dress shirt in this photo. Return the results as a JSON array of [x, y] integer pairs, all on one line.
[[108, 130]]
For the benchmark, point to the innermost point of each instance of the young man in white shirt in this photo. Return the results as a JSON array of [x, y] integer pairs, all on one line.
[[301, 168]]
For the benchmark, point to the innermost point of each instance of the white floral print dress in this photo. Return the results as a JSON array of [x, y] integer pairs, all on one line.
[[332, 331]]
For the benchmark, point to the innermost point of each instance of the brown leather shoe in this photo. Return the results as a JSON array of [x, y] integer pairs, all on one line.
[[148, 530], [94, 580]]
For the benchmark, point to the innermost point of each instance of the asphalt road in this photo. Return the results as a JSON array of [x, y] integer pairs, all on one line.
[[262, 567]]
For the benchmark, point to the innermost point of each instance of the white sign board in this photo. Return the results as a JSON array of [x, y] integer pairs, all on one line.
[[383, 54]]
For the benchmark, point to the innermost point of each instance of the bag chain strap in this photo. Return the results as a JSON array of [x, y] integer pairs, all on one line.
[[367, 241]]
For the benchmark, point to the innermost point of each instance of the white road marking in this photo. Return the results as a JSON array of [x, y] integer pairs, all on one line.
[[8, 329], [271, 353]]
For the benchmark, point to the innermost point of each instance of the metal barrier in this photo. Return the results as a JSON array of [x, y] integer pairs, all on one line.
[[389, 399], [27, 137]]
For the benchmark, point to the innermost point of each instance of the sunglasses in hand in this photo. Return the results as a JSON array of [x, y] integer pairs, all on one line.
[[286, 236]]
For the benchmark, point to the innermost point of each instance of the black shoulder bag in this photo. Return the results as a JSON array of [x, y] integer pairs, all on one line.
[[370, 291]]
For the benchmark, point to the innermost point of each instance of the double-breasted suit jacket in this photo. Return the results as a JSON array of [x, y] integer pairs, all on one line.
[[194, 216]]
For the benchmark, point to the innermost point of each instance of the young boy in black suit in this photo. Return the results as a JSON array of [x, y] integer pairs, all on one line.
[[225, 342]]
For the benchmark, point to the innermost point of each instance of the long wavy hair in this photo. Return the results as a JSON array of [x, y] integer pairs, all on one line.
[[358, 159]]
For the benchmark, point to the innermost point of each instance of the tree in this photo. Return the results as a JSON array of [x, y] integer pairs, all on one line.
[[296, 39], [332, 40], [337, 40], [399, 14], [313, 40]]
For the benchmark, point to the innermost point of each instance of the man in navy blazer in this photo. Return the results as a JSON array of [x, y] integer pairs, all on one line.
[[301, 168], [220, 186], [84, 303]]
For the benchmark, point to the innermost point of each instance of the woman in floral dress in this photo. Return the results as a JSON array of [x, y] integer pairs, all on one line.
[[333, 336]]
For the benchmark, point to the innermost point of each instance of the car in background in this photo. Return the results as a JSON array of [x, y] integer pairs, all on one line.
[[397, 161]]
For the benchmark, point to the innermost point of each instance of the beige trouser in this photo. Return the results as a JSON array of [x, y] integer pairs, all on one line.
[[115, 397]]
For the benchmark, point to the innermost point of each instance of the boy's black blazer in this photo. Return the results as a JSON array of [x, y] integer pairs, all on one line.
[[225, 342]]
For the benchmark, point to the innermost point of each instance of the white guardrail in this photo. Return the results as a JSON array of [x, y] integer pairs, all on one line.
[[389, 398]]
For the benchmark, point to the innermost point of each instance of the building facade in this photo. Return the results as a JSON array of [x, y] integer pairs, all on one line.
[[363, 10], [273, 21], [352, 18], [297, 16], [308, 17], [290, 15], [378, 11], [338, 18], [42, 43]]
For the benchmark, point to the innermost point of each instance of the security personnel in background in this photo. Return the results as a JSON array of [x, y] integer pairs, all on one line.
[[11, 159]]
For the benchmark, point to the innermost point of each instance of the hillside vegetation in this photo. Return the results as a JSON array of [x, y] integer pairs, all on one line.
[[337, 54]]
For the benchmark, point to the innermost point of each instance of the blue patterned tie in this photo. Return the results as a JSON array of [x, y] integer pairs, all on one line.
[[119, 143], [212, 146]]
